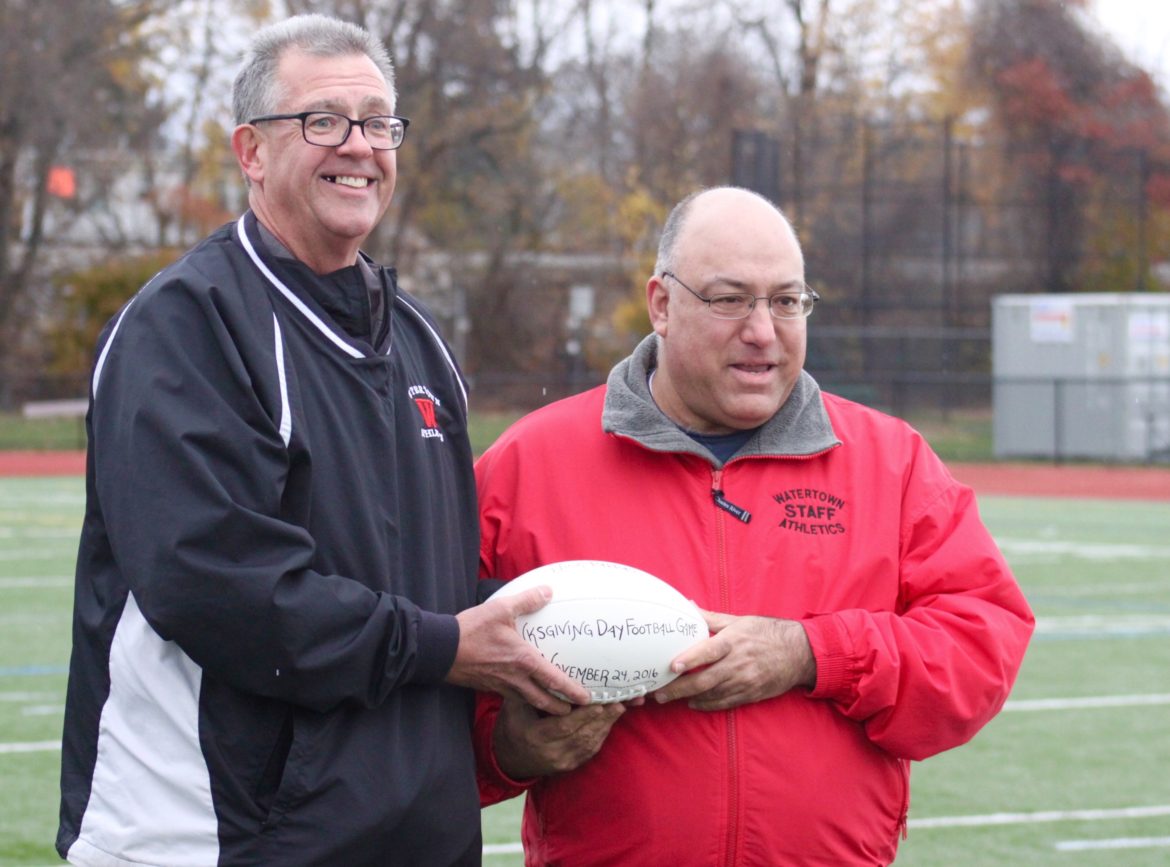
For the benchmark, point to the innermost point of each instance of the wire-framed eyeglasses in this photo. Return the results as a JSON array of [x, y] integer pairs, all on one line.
[[328, 129], [739, 305]]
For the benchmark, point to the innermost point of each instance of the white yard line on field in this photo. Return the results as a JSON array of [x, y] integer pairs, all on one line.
[[1006, 819], [1115, 843], [1104, 591], [32, 554], [42, 709], [30, 747], [31, 533], [1085, 550], [26, 696], [503, 848], [23, 583], [1036, 704], [1102, 625], [1096, 701], [1041, 816]]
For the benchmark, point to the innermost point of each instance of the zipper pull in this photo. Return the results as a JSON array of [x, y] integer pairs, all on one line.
[[739, 514], [723, 503]]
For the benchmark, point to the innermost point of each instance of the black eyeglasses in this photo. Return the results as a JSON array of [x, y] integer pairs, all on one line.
[[327, 129], [739, 305]]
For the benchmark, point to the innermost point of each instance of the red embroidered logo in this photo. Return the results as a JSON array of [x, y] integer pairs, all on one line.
[[427, 405]]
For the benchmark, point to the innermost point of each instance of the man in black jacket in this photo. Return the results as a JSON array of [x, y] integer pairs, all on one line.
[[275, 625]]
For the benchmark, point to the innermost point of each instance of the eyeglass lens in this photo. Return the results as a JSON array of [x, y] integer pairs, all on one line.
[[329, 130], [783, 305]]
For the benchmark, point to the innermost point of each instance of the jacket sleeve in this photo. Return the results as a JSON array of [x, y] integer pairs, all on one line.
[[494, 784], [926, 677], [190, 471]]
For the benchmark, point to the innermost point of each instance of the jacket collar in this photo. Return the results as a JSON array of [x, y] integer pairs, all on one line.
[[801, 428], [356, 299]]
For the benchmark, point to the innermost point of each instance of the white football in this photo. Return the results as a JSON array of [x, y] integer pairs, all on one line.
[[612, 628]]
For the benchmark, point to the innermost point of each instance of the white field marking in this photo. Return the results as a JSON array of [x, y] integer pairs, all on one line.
[[30, 747], [26, 696], [42, 709], [1041, 816], [24, 619], [1038, 704], [1086, 551], [34, 554], [27, 502], [1115, 843], [1106, 591], [503, 848], [1104, 624], [1088, 702], [1002, 819], [24, 582], [39, 533], [32, 670]]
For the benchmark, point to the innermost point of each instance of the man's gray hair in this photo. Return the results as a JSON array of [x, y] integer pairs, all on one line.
[[257, 88], [677, 218]]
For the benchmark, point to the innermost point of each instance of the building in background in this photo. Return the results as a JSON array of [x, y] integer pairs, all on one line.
[[1083, 376]]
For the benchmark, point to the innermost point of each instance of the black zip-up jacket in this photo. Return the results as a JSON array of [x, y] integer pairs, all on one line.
[[280, 527]]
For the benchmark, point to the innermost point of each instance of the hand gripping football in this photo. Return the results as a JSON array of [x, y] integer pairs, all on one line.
[[612, 628]]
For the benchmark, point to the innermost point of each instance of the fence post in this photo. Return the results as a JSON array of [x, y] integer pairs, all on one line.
[[1058, 419], [1143, 239]]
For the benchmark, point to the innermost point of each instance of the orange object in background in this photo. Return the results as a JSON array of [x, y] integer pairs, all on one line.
[[61, 182]]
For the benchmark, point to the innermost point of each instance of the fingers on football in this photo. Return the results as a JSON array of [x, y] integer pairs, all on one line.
[[527, 602], [553, 679], [687, 686], [589, 723], [717, 620], [579, 736], [707, 690], [704, 653], [542, 699]]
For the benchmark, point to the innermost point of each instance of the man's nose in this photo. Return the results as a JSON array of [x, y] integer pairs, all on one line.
[[355, 142], [760, 325]]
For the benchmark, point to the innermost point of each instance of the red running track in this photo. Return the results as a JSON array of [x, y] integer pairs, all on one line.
[[1011, 479]]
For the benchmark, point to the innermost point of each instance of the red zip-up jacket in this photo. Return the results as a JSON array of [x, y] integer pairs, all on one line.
[[855, 528]]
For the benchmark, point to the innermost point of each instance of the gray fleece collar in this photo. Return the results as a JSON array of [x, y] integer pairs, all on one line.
[[799, 429]]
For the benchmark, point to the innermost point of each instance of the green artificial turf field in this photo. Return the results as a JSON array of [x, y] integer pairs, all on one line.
[[1073, 772]]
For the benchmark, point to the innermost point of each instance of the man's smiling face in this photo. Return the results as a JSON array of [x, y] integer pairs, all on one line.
[[323, 202]]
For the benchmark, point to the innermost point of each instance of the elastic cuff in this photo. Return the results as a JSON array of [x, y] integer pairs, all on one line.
[[828, 648], [485, 587], [438, 640]]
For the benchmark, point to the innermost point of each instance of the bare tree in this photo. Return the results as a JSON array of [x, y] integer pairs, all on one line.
[[64, 86]]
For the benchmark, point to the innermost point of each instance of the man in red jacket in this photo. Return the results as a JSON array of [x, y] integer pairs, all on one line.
[[861, 616]]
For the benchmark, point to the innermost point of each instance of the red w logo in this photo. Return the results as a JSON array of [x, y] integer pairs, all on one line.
[[426, 407]]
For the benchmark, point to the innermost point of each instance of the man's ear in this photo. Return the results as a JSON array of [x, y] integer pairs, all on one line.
[[250, 151], [657, 298]]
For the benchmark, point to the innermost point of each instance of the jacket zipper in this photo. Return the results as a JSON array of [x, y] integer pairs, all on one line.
[[903, 828], [721, 503], [731, 851]]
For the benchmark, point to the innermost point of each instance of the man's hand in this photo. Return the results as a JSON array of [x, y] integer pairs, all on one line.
[[492, 657], [529, 745], [747, 659]]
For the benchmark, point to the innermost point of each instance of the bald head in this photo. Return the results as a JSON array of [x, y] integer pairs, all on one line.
[[721, 206]]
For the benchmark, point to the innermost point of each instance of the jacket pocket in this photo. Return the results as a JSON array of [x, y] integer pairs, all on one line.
[[270, 778]]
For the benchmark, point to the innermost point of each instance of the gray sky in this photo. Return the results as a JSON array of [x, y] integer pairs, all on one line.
[[1142, 29]]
